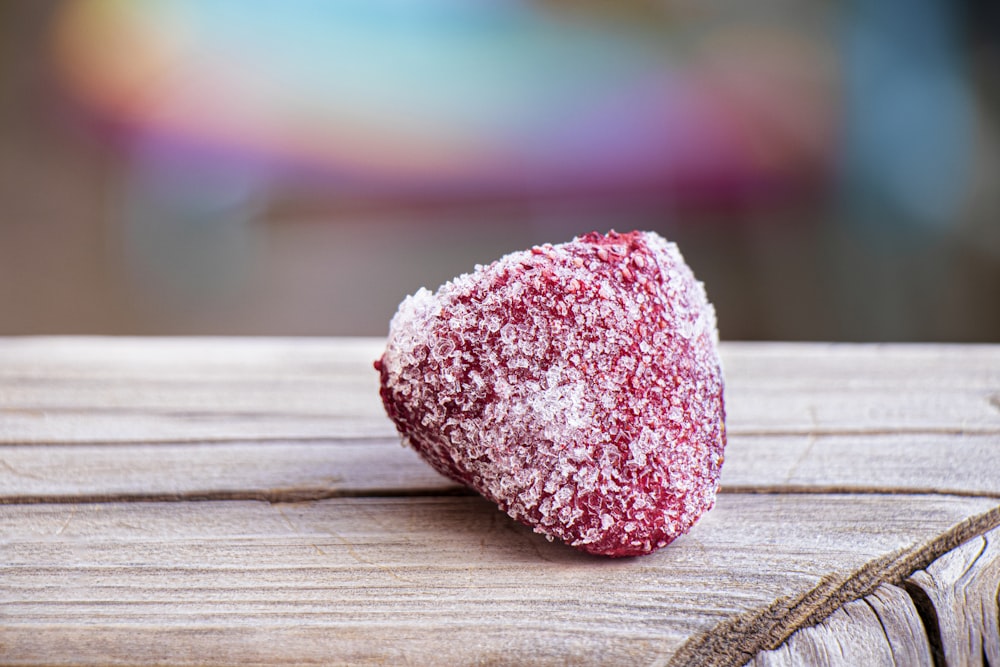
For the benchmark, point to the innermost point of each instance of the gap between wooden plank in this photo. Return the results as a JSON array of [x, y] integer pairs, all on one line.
[[380, 436], [305, 494]]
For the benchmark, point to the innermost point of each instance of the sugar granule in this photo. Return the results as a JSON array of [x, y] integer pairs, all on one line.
[[578, 386]]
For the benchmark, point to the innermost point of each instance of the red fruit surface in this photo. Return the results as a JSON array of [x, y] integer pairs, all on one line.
[[578, 386]]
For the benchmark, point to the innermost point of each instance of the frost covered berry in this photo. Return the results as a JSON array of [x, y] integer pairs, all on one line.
[[577, 386]]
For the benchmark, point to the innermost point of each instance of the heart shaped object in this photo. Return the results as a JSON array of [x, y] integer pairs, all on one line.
[[578, 386]]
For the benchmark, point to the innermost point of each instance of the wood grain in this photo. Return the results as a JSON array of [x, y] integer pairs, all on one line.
[[880, 630], [961, 590], [209, 501]]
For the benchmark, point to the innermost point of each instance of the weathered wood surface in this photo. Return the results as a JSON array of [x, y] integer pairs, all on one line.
[[882, 629], [946, 614], [206, 501]]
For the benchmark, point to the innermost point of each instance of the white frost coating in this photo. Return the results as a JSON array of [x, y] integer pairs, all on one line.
[[577, 385]]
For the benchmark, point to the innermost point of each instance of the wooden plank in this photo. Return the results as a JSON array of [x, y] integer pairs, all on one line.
[[863, 388], [296, 470], [56, 390], [314, 401], [184, 358], [886, 462], [936, 368], [439, 580], [279, 471], [791, 366], [65, 390]]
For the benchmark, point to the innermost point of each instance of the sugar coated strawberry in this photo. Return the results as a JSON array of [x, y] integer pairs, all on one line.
[[578, 386]]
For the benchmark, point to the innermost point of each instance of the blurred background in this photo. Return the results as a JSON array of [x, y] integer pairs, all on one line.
[[830, 170]]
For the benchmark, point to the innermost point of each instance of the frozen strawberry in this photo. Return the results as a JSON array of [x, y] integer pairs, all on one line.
[[577, 386]]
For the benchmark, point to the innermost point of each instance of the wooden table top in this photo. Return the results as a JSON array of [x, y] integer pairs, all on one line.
[[246, 501]]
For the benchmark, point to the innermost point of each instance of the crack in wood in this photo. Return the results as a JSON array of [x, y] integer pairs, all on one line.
[[806, 452], [18, 473], [881, 623], [929, 618], [388, 435], [235, 440], [192, 415], [265, 495]]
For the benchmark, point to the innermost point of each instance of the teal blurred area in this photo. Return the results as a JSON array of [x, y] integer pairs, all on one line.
[[831, 171]]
